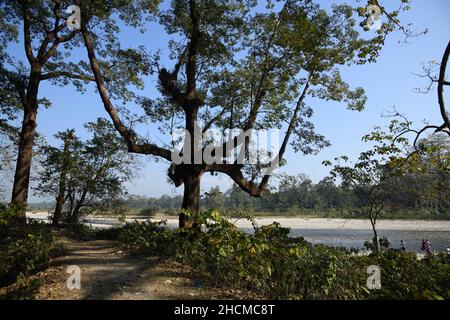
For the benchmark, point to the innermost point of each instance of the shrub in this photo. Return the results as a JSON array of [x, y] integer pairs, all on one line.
[[83, 232], [148, 237], [25, 256], [150, 211], [270, 262], [24, 248]]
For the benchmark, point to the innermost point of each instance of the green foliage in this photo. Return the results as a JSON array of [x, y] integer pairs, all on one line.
[[272, 263], [234, 65], [87, 175], [409, 196], [24, 250], [149, 212], [83, 232], [147, 237], [405, 276], [8, 218], [25, 256]]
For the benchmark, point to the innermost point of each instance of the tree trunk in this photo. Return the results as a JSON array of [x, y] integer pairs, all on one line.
[[191, 199], [76, 211], [27, 135], [62, 184], [375, 237], [59, 203]]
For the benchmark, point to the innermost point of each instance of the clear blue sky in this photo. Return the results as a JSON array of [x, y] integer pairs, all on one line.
[[388, 82]]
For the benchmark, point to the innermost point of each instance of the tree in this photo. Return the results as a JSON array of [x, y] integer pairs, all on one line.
[[60, 166], [9, 106], [8, 144], [426, 175], [331, 196], [86, 175], [214, 199], [47, 42], [296, 191], [237, 67], [370, 177]]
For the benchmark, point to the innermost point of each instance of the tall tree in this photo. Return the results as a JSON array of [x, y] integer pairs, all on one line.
[[60, 165], [47, 42], [239, 67], [86, 174], [214, 199], [370, 178]]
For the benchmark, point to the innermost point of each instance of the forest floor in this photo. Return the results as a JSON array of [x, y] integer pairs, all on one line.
[[108, 273]]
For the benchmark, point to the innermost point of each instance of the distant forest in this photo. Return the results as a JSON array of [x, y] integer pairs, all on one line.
[[409, 196]]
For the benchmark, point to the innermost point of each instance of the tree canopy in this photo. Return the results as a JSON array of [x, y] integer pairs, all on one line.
[[235, 66], [86, 175]]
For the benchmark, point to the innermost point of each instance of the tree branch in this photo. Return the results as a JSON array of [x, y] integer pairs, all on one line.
[[27, 34], [66, 74], [127, 134], [441, 86]]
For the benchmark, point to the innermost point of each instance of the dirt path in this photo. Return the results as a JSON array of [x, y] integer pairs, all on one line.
[[107, 273]]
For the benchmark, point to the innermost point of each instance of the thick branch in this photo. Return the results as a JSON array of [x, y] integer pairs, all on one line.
[[441, 86], [128, 135], [234, 170], [235, 173], [56, 43], [261, 91], [66, 74], [191, 67], [27, 34]]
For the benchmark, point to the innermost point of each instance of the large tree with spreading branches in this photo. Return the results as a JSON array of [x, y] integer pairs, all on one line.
[[237, 65]]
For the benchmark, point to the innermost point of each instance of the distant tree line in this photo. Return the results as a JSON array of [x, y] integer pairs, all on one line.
[[421, 193]]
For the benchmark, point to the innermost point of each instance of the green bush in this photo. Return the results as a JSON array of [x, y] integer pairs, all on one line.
[[147, 238], [25, 256], [150, 211], [272, 263], [24, 248], [83, 232]]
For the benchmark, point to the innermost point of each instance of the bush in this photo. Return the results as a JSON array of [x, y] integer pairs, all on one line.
[[24, 249], [147, 238], [150, 211], [83, 232], [270, 262], [25, 256]]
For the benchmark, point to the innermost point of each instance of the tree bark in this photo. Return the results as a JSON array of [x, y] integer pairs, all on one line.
[[191, 199], [375, 236], [27, 135], [76, 211], [60, 199]]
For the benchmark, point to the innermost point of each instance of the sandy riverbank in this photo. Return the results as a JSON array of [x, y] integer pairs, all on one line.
[[312, 223]]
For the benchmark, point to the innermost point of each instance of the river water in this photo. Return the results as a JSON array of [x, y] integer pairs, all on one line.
[[440, 240]]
